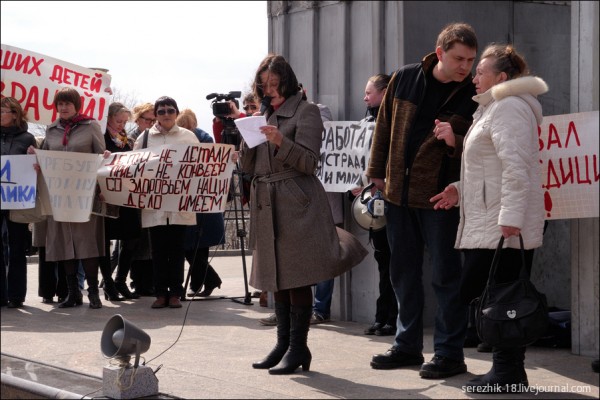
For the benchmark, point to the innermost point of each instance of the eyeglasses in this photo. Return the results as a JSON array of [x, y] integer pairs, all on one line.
[[8, 112], [164, 111], [149, 120], [250, 107]]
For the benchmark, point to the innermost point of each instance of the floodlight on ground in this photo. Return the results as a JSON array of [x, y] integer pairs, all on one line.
[[120, 341]]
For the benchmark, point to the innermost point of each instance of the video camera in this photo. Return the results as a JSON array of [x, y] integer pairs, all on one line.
[[220, 105], [221, 108]]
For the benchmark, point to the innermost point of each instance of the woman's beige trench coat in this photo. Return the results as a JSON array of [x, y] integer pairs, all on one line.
[[294, 240], [75, 240]]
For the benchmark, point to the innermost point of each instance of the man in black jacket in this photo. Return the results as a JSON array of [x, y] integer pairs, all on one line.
[[426, 111]]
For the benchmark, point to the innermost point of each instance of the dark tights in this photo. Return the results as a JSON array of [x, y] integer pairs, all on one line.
[[90, 266], [301, 296]]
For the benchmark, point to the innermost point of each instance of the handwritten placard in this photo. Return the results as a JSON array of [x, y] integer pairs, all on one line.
[[345, 151], [194, 178], [33, 79], [18, 185], [570, 166], [71, 181]]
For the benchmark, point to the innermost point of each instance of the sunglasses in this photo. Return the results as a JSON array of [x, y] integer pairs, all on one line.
[[164, 111], [250, 107]]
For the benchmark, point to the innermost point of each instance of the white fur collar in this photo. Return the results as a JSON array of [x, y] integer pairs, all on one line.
[[525, 85]]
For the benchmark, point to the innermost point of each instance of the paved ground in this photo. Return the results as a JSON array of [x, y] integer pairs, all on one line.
[[205, 350]]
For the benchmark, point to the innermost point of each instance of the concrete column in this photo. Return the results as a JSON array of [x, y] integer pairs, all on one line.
[[584, 232]]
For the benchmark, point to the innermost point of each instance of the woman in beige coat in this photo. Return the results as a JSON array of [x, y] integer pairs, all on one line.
[[74, 242], [294, 240]]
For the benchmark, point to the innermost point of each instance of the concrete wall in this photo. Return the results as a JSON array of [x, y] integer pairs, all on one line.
[[335, 46]]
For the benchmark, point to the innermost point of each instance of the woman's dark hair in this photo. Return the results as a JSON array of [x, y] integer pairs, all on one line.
[[277, 65], [165, 101], [68, 95], [506, 59]]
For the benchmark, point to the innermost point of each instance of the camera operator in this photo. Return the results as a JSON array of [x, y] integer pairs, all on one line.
[[250, 106]]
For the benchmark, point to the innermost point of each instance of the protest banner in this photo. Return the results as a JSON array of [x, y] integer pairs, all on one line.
[[18, 184], [33, 79], [345, 151], [194, 178], [569, 157], [71, 181]]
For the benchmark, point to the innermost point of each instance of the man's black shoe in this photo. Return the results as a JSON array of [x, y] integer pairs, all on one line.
[[386, 330], [442, 367], [395, 358], [371, 330]]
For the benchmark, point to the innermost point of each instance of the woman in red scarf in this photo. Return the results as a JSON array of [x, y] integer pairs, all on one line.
[[70, 242]]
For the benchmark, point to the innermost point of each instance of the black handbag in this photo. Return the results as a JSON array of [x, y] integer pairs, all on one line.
[[511, 314]]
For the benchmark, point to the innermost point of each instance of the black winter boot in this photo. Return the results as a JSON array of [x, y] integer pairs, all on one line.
[[506, 376], [110, 291], [282, 311], [124, 290], [93, 293], [74, 296], [298, 353]]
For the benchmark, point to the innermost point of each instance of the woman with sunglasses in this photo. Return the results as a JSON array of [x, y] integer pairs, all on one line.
[[293, 237], [167, 228]]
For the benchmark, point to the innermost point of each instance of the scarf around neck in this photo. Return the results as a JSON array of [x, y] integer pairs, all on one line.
[[70, 123], [120, 140]]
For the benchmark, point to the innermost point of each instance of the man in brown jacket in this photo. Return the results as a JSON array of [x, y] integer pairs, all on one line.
[[426, 111]]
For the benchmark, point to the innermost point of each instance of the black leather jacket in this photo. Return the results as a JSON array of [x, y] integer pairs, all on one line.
[[16, 140]]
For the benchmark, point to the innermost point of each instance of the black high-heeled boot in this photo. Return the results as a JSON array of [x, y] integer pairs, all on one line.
[[282, 311], [298, 353], [125, 292], [210, 284], [93, 296], [110, 291], [74, 296]]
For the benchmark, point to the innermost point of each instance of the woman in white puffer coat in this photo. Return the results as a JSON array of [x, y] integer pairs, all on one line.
[[500, 191]]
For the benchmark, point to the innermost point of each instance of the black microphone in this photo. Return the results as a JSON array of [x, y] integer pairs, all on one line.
[[265, 104]]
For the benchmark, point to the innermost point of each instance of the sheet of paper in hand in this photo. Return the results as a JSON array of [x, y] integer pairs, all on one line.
[[249, 128]]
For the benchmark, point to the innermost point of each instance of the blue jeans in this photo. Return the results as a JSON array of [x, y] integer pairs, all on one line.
[[323, 294], [409, 230]]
